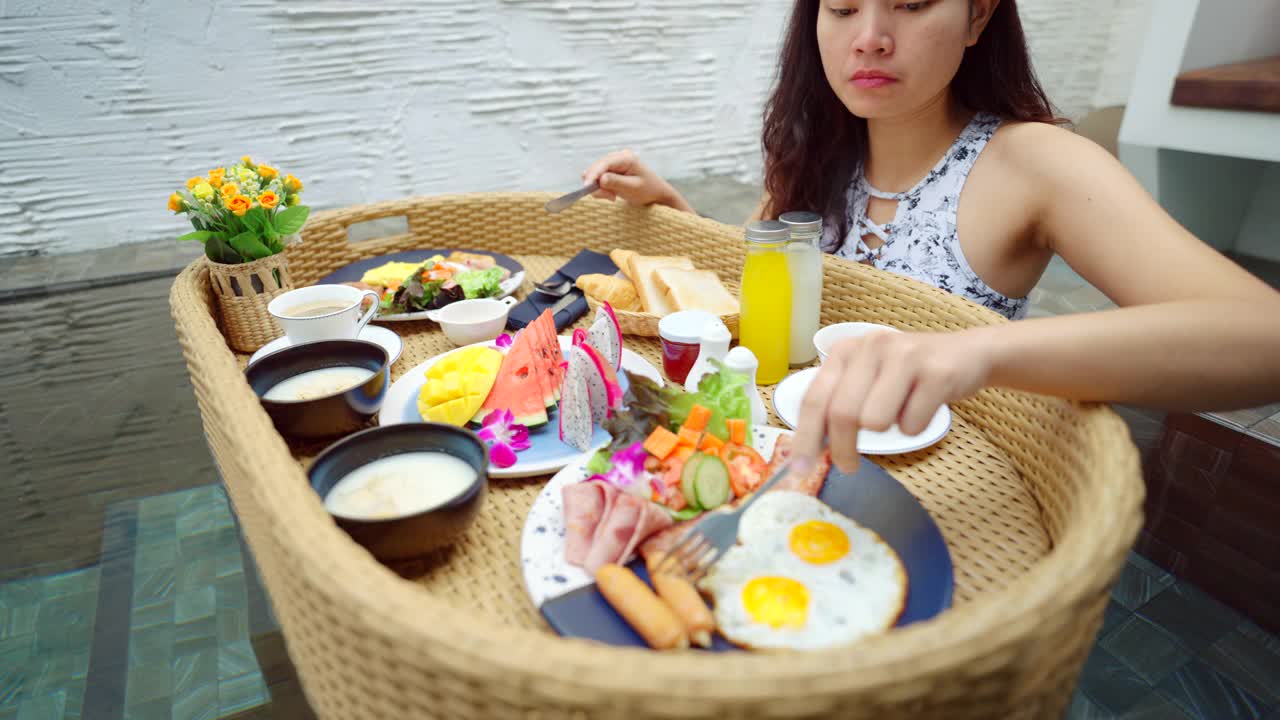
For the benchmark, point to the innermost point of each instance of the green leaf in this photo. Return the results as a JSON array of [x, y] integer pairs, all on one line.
[[291, 220], [200, 235], [248, 245], [256, 219], [219, 251]]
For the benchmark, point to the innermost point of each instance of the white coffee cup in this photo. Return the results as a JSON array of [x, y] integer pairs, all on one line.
[[322, 312], [467, 322], [828, 336]]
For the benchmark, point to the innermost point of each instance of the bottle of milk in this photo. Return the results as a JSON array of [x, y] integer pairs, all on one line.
[[804, 264]]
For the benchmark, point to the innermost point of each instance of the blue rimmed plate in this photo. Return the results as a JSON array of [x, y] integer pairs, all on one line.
[[547, 452]]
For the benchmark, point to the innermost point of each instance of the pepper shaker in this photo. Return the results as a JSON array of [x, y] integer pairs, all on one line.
[[742, 360], [713, 345]]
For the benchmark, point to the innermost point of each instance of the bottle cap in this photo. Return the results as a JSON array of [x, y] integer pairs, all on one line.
[[685, 326], [802, 221], [767, 232]]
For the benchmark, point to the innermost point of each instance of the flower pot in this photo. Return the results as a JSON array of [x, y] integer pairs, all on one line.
[[243, 291]]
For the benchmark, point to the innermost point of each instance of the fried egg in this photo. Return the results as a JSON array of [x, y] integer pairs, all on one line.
[[804, 577]]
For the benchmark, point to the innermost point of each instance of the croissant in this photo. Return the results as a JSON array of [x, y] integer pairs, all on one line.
[[611, 289], [622, 258]]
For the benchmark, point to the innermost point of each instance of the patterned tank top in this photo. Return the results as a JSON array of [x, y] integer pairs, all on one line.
[[920, 241]]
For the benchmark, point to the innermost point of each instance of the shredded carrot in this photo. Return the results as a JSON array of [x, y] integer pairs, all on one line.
[[737, 431], [661, 442], [698, 418]]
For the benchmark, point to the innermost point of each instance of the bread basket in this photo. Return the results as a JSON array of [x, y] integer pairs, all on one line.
[[645, 324]]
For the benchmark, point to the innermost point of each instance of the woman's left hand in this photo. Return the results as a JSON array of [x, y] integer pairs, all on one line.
[[876, 380]]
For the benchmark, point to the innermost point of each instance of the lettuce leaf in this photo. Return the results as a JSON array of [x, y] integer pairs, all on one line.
[[724, 392], [644, 408], [480, 283]]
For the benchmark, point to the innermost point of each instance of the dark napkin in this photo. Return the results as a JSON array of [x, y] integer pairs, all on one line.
[[584, 263]]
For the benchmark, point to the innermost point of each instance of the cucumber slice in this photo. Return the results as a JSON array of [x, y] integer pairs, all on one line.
[[687, 476], [712, 483]]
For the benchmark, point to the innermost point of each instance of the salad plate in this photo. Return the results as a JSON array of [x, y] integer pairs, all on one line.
[[455, 262]]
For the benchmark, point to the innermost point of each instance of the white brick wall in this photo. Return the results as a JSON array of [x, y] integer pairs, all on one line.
[[105, 105]]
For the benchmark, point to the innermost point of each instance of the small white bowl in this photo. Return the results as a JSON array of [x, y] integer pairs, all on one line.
[[468, 322], [828, 336]]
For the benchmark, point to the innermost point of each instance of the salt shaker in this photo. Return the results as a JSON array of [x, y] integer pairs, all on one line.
[[742, 360], [713, 345]]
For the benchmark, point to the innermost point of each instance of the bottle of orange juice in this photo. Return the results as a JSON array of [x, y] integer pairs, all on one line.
[[765, 323]]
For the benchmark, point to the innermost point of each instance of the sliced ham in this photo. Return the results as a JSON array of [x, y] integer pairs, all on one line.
[[627, 523], [605, 525], [584, 507]]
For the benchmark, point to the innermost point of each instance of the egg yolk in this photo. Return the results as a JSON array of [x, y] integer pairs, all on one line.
[[819, 542], [776, 601]]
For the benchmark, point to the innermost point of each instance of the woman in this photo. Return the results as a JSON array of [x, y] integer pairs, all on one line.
[[883, 113]]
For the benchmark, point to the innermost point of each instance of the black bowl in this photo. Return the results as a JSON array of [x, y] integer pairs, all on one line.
[[407, 536], [334, 414]]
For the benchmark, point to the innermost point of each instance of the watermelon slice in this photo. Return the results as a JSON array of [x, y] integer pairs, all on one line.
[[606, 335], [554, 355], [517, 387], [576, 427], [542, 368]]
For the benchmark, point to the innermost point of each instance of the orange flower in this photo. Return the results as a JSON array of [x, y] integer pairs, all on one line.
[[247, 161], [194, 182], [267, 172], [239, 205], [268, 200], [216, 177], [292, 183], [175, 203], [230, 190]]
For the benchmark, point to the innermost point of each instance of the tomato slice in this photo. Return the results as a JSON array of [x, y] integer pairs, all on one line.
[[746, 468]]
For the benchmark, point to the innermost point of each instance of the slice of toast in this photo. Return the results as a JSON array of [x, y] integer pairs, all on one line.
[[642, 276], [695, 290]]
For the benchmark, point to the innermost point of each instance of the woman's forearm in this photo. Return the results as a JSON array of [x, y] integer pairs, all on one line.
[[1191, 356]]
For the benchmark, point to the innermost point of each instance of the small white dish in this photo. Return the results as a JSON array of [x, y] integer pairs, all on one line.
[[789, 393], [468, 322], [829, 335], [389, 341]]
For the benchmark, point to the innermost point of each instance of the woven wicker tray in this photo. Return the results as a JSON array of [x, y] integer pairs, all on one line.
[[1038, 499]]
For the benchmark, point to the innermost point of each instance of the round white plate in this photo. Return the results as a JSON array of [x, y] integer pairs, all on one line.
[[509, 286], [390, 342], [546, 573], [547, 453], [789, 393]]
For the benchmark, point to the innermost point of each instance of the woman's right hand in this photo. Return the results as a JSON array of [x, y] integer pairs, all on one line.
[[622, 175]]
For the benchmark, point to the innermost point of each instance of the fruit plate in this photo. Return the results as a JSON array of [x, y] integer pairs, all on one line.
[[568, 599], [356, 270], [547, 453]]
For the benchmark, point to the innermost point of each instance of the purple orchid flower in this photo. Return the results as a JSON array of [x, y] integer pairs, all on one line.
[[504, 341], [504, 436], [628, 473]]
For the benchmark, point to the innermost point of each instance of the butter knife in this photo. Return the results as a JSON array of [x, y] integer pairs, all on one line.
[[564, 201], [563, 302]]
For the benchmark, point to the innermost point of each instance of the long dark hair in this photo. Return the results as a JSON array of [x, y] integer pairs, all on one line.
[[813, 144]]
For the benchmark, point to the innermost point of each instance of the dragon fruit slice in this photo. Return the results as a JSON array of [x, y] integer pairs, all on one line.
[[576, 426], [606, 335]]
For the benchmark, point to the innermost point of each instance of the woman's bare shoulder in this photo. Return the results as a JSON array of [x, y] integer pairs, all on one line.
[[1047, 152]]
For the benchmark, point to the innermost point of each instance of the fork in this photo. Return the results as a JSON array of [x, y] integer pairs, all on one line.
[[709, 538]]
